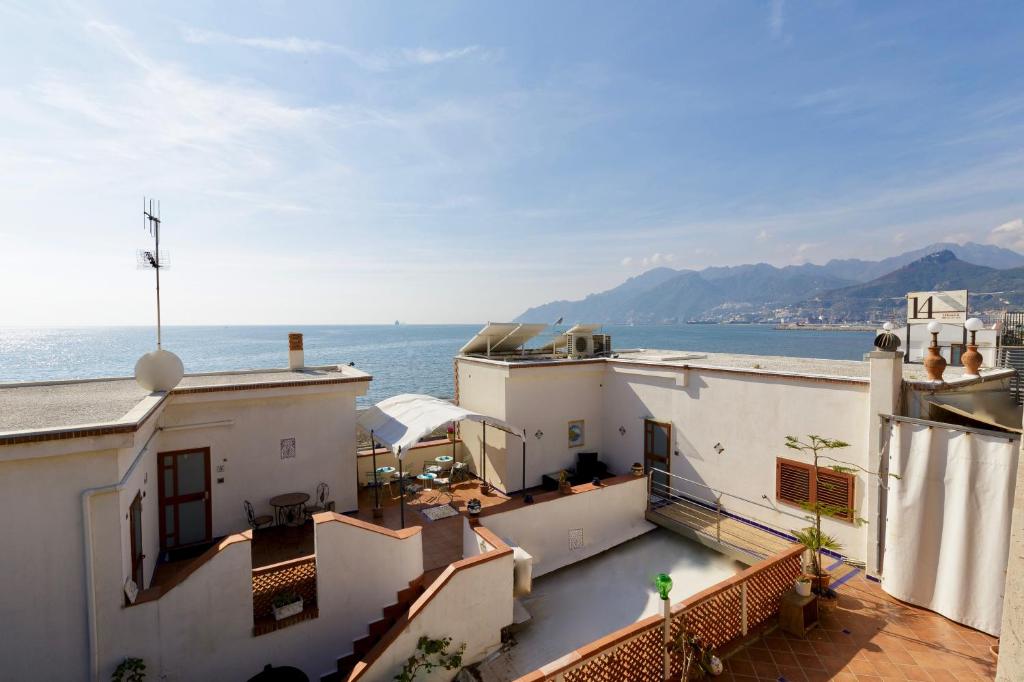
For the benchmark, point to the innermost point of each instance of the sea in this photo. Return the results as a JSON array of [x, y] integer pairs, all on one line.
[[402, 358]]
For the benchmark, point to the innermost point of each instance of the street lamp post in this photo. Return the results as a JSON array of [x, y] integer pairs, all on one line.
[[663, 583]]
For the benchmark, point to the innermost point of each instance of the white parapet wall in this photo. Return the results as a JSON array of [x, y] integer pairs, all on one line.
[[470, 602], [201, 628], [558, 530]]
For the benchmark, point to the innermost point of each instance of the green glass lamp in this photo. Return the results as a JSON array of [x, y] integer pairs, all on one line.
[[663, 583]]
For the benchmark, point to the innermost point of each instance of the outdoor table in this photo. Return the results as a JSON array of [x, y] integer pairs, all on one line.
[[385, 470], [433, 469], [428, 479], [444, 459], [288, 508]]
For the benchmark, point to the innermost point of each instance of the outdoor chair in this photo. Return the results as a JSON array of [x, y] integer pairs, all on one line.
[[321, 503], [460, 472], [410, 484], [256, 522], [443, 486]]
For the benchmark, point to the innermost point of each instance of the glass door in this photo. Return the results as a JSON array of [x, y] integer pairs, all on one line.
[[657, 454], [184, 498]]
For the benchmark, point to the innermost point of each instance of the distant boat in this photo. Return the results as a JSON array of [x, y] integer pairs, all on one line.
[[396, 323]]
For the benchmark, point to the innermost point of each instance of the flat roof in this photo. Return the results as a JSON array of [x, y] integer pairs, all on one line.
[[38, 406], [853, 370]]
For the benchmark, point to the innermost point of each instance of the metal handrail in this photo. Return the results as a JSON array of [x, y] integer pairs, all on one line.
[[721, 493]]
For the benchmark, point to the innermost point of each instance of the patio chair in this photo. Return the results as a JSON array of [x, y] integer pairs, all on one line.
[[460, 472], [321, 503], [256, 522], [395, 484], [443, 486]]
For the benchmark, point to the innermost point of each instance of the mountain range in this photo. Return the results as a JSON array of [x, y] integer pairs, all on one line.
[[848, 290]]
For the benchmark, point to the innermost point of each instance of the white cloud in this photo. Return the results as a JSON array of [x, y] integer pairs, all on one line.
[[378, 60], [658, 259], [627, 261], [762, 235], [1010, 234], [776, 20]]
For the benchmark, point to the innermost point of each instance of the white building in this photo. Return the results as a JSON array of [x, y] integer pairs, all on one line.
[[126, 534]]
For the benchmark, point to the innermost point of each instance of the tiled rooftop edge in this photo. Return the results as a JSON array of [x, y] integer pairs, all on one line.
[[132, 420]]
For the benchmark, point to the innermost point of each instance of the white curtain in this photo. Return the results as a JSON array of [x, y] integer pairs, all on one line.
[[947, 529]]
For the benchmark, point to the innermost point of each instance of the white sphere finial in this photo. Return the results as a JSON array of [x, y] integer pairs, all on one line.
[[934, 326], [887, 326], [974, 325], [160, 370]]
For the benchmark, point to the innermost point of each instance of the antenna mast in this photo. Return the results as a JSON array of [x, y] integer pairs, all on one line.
[[155, 259]]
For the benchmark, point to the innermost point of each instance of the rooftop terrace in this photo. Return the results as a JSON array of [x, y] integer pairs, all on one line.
[[855, 370], [41, 406]]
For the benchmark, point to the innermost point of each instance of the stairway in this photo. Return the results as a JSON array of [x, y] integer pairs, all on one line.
[[376, 630]]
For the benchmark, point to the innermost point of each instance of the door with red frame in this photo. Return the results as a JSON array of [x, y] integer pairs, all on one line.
[[185, 509]]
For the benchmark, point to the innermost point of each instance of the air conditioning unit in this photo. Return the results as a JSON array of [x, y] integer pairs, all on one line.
[[580, 345], [602, 344]]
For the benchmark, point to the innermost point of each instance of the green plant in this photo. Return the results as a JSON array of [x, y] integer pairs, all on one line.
[[430, 654], [563, 477], [285, 597], [812, 537], [130, 670]]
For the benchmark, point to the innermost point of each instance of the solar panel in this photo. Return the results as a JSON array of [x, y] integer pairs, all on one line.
[[501, 337]]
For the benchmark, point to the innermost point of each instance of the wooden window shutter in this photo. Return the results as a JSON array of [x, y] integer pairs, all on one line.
[[836, 489], [792, 481]]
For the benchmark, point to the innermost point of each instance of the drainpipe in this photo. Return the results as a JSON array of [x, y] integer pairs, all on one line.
[[90, 593]]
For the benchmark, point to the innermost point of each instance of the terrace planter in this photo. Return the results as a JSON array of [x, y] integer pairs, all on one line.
[[288, 610], [637, 469], [565, 488]]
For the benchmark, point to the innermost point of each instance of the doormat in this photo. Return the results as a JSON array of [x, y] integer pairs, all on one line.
[[441, 511]]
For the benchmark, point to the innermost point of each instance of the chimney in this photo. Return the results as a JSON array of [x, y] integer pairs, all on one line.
[[296, 359]]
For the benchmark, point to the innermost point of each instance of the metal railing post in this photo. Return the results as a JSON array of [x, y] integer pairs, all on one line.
[[718, 520], [743, 608]]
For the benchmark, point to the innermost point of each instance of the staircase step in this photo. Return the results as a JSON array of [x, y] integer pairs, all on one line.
[[362, 646], [379, 627], [345, 666]]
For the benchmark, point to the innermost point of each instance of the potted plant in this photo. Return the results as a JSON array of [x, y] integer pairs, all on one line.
[[803, 586], [474, 506], [286, 603], [564, 486], [812, 537], [129, 670], [485, 487], [451, 433], [637, 469]]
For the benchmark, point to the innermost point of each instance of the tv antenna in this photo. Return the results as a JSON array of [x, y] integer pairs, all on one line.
[[155, 259]]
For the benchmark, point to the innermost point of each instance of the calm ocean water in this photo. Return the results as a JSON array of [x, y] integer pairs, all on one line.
[[403, 359]]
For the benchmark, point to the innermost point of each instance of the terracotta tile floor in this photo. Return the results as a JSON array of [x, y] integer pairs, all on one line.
[[442, 539], [870, 637]]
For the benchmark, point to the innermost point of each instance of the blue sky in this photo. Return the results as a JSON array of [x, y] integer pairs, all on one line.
[[458, 162]]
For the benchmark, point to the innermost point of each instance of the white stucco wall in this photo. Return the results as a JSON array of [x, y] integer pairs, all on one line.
[[750, 415], [471, 608], [202, 627], [482, 389], [249, 449], [546, 399], [748, 412], [607, 516]]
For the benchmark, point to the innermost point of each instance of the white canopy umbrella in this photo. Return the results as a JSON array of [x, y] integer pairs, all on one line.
[[401, 421]]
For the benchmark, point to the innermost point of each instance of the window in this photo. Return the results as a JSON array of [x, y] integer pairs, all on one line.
[[795, 484]]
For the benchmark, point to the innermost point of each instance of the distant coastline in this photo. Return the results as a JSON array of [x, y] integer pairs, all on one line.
[[793, 327]]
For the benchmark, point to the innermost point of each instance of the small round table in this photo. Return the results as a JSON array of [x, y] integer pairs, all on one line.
[[385, 470], [288, 508], [427, 479]]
